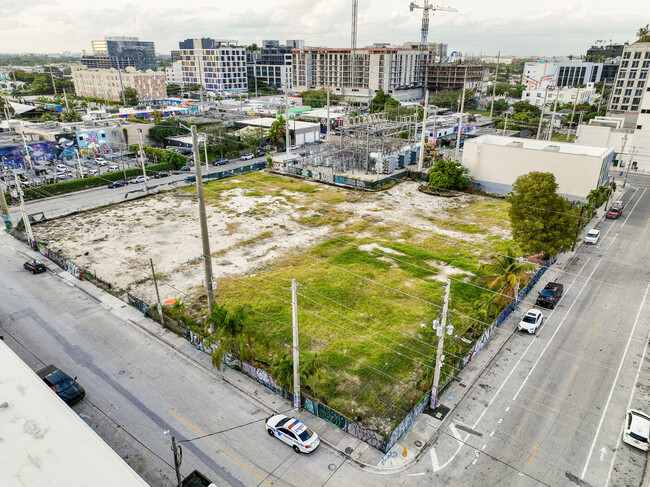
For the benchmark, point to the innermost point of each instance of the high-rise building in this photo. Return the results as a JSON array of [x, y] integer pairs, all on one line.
[[272, 63], [149, 85], [120, 52], [358, 74], [216, 64], [452, 76], [599, 54], [631, 82], [560, 72]]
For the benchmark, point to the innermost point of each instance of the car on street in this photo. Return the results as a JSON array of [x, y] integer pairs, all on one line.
[[34, 266], [260, 153], [138, 179], [220, 162], [247, 157], [531, 321], [190, 178], [117, 184], [637, 429], [614, 213], [293, 433], [161, 174], [101, 161], [185, 168], [592, 236], [294, 147], [550, 295], [65, 386]]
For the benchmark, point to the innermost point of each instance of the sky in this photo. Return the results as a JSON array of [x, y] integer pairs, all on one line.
[[480, 27]]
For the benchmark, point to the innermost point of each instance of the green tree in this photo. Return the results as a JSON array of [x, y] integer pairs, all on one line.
[[381, 101], [282, 373], [252, 47], [516, 91], [47, 117], [642, 34], [500, 106], [318, 98], [70, 116], [277, 131], [310, 370], [448, 174], [173, 89], [156, 117], [451, 98], [164, 129], [504, 275], [231, 335], [131, 97], [541, 219]]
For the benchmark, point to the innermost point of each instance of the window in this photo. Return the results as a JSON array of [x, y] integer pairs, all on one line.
[[632, 74], [622, 74], [646, 64], [624, 64], [637, 55], [638, 93], [623, 107], [616, 99], [635, 64], [630, 83], [626, 100], [636, 101], [617, 91], [620, 82], [639, 127], [626, 55], [628, 92]]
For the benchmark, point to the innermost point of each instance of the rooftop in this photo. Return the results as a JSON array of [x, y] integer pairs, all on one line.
[[542, 145]]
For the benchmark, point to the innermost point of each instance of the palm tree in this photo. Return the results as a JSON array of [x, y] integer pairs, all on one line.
[[231, 335], [504, 274], [277, 131], [156, 116], [310, 369], [642, 33], [282, 373]]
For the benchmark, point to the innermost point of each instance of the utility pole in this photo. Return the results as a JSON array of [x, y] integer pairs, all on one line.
[[23, 210], [178, 458], [287, 135], [573, 112], [541, 115], [144, 172], [119, 73], [296, 350], [505, 125], [65, 97], [52, 78], [440, 332], [425, 115], [550, 131], [81, 174], [207, 258], [6, 217], [460, 118], [155, 283], [27, 156], [629, 164], [328, 113], [494, 87], [205, 151]]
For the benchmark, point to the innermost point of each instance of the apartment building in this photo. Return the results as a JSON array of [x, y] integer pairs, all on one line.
[[452, 76], [218, 65], [560, 72], [174, 73], [119, 52], [631, 82], [272, 63], [574, 96], [105, 83], [358, 74]]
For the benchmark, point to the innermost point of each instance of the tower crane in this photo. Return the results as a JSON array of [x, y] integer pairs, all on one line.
[[425, 17]]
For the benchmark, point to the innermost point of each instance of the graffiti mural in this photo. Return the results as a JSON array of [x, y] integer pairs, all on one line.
[[13, 157], [262, 377], [405, 424], [92, 143]]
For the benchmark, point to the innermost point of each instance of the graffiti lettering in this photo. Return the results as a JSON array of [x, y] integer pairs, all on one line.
[[387, 457], [406, 423]]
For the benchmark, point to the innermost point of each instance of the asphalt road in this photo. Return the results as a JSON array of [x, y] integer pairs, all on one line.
[[550, 409]]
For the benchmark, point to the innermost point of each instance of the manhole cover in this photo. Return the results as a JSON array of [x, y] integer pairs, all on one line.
[[349, 450], [418, 443], [122, 372], [331, 467]]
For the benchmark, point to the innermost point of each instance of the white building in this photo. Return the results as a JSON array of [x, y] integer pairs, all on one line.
[[560, 72], [217, 65], [575, 96], [360, 73], [45, 442], [631, 82], [105, 83], [495, 162], [174, 74], [299, 132]]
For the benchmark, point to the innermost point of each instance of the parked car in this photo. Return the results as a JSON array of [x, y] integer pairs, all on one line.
[[65, 387], [94, 172], [61, 175], [614, 213], [592, 236], [138, 179], [247, 157], [550, 295], [185, 168], [117, 184], [161, 174], [618, 204], [260, 153], [113, 168], [293, 433], [35, 266], [220, 162], [190, 178], [294, 147], [531, 321], [637, 429], [101, 161], [62, 168]]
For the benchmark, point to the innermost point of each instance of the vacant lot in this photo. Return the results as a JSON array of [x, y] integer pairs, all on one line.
[[371, 268]]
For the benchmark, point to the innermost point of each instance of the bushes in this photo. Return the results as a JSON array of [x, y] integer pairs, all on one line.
[[175, 159]]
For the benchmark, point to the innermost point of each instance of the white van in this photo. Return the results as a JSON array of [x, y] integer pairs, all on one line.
[[113, 168]]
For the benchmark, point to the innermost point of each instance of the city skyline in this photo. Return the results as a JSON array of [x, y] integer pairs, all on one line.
[[559, 29]]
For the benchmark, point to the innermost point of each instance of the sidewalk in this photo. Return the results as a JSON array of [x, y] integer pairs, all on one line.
[[411, 445]]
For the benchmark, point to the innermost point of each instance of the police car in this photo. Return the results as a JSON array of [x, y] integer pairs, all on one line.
[[293, 433]]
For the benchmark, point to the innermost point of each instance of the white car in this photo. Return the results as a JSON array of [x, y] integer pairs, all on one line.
[[94, 172], [101, 161], [247, 157], [531, 321], [592, 236], [113, 168], [294, 147], [62, 168], [293, 433], [637, 429], [138, 179]]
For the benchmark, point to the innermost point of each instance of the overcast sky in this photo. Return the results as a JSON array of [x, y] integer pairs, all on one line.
[[551, 27]]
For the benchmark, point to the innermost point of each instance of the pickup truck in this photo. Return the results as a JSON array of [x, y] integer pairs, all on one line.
[[550, 295]]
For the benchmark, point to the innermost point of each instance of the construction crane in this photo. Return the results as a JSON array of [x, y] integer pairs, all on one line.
[[425, 17]]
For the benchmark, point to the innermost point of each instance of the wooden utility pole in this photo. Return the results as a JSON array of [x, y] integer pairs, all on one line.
[[178, 458], [155, 283], [296, 349], [440, 331]]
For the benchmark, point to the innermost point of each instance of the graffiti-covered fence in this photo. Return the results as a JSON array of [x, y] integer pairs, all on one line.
[[326, 176]]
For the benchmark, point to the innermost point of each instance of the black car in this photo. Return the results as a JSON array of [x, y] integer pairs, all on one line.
[[550, 295], [185, 168], [34, 266], [117, 184], [65, 387], [161, 174], [220, 162], [260, 153]]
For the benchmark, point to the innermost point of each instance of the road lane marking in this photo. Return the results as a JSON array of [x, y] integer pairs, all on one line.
[[595, 326], [507, 409], [570, 378], [533, 455], [611, 391], [554, 333], [474, 462], [629, 404], [610, 243], [219, 448], [492, 434], [434, 459], [500, 419], [634, 207], [483, 447]]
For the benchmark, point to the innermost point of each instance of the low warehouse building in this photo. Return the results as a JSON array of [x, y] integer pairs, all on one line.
[[495, 162]]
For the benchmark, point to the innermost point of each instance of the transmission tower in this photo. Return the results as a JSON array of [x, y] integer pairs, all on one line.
[[355, 8]]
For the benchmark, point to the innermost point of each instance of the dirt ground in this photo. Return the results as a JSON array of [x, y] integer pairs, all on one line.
[[249, 230]]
